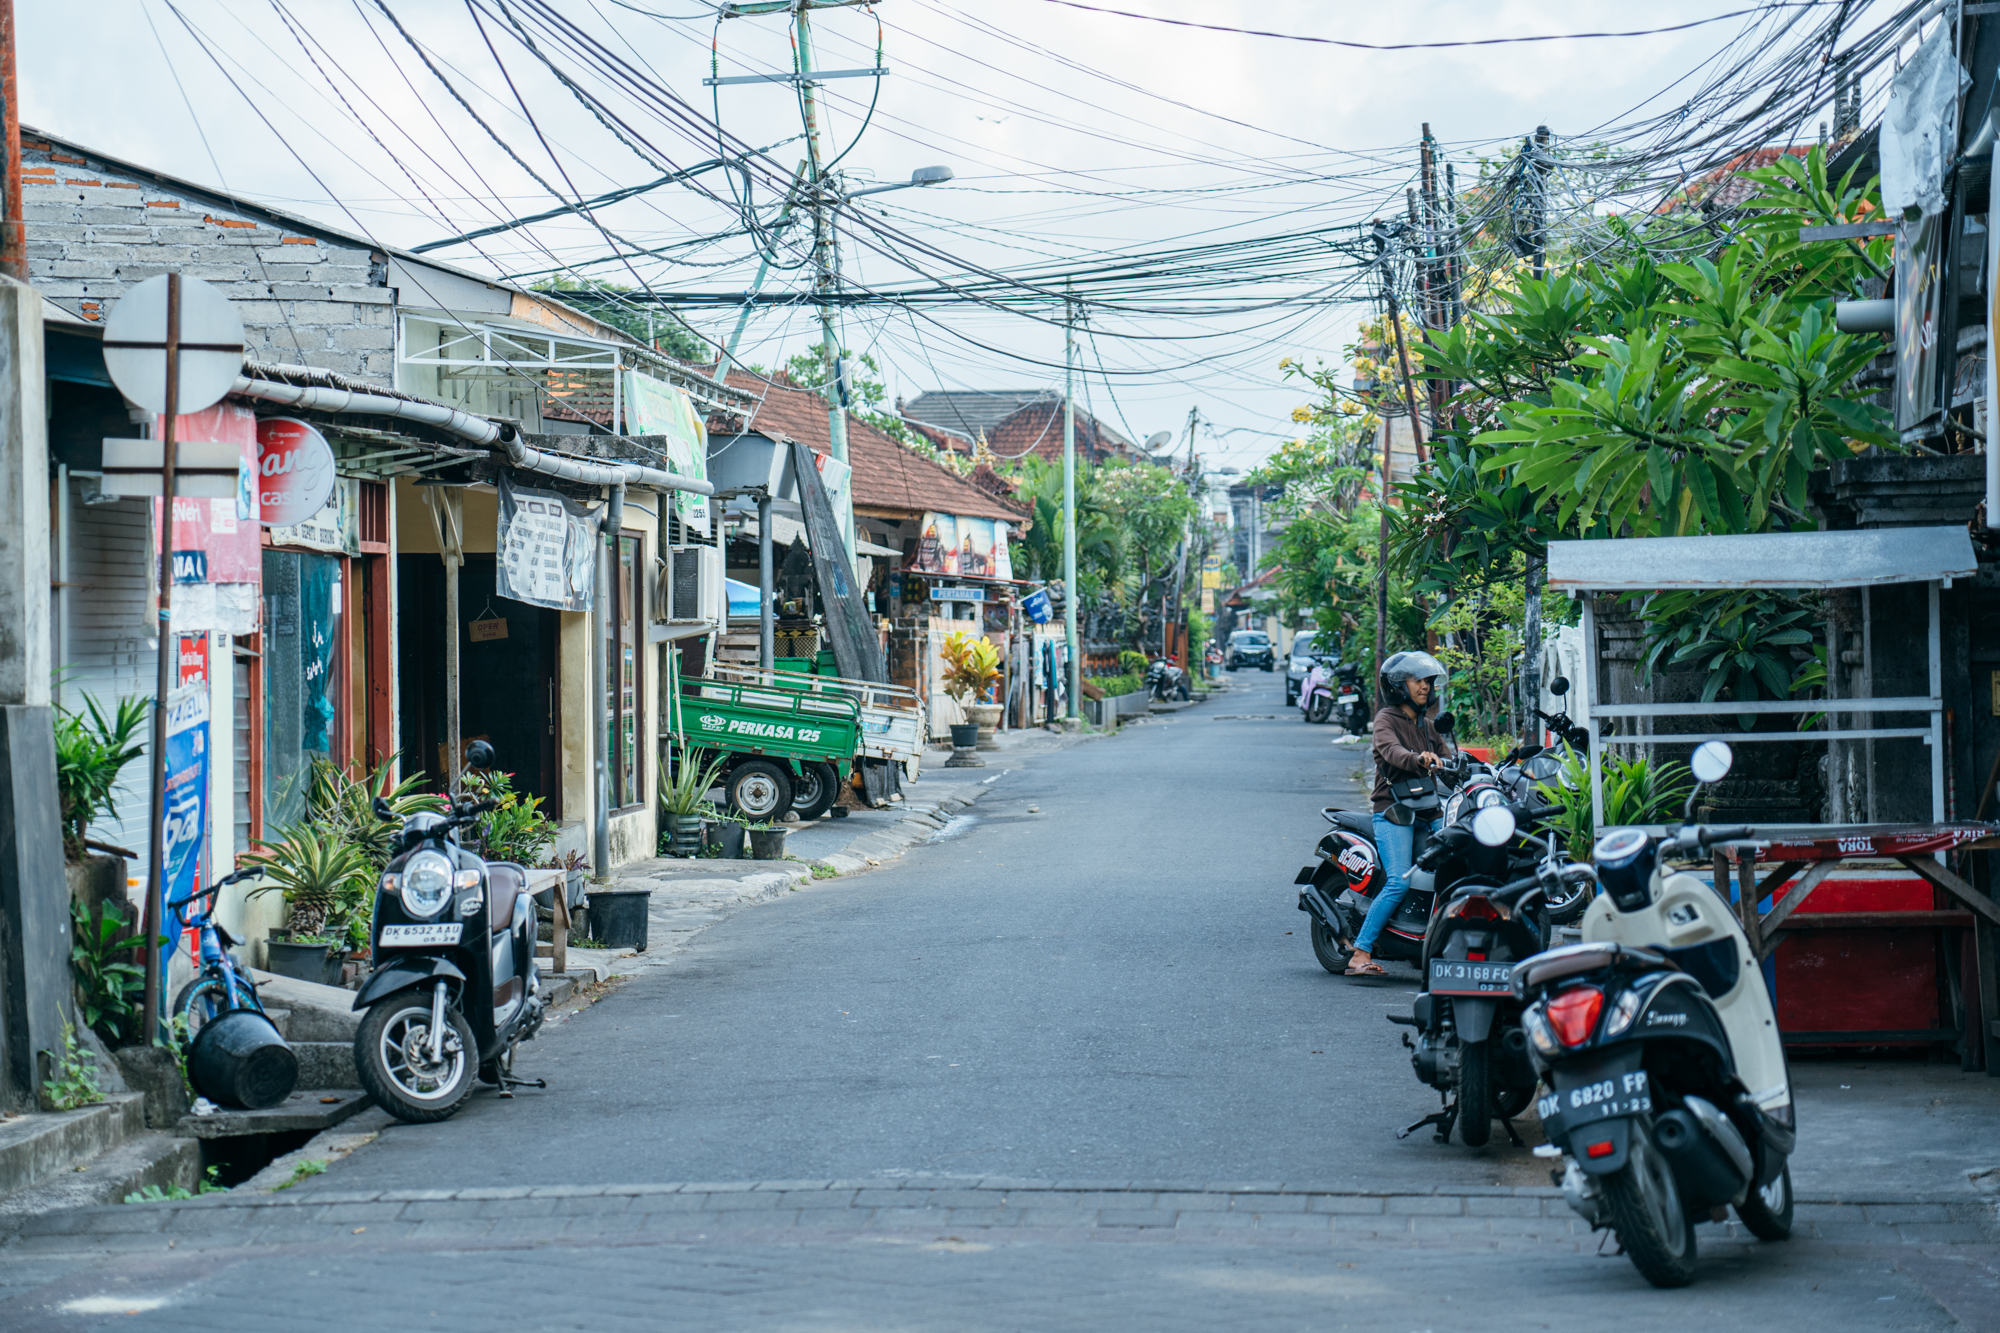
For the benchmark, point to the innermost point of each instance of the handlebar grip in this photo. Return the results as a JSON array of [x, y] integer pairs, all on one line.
[[1542, 811], [1730, 834]]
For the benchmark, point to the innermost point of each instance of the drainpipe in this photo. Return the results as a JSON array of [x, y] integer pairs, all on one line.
[[766, 589], [598, 472], [614, 516], [317, 399]]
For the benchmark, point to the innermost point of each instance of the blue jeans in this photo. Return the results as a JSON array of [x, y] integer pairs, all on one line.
[[1393, 842]]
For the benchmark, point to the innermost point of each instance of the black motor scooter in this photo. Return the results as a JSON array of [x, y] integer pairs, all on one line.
[[455, 986], [1469, 1043], [1338, 891]]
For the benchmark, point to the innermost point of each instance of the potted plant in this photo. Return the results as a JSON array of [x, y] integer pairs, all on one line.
[[767, 842], [515, 829], [684, 800], [328, 887], [91, 750], [972, 669]]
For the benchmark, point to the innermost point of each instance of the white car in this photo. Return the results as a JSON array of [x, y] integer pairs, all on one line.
[[1297, 665]]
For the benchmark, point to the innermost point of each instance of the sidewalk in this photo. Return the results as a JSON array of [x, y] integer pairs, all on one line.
[[689, 896]]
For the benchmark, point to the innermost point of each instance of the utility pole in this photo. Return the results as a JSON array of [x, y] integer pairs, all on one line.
[[728, 356], [13, 230], [156, 848], [1536, 571], [1069, 504], [826, 263]]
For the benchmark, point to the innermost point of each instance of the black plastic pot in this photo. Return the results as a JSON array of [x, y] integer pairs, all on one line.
[[965, 735], [618, 917], [240, 1060], [729, 836], [304, 962], [767, 844]]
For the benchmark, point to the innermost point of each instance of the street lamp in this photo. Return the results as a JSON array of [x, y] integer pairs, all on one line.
[[919, 178]]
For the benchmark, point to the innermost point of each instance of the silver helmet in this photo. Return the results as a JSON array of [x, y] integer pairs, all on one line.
[[1405, 667]]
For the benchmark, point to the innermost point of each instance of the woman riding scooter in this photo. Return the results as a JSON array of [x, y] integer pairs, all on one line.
[[1407, 745]]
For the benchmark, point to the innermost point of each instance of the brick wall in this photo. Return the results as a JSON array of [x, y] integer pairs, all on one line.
[[305, 297]]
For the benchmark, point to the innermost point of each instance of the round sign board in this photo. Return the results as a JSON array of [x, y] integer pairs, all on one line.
[[135, 345], [294, 471]]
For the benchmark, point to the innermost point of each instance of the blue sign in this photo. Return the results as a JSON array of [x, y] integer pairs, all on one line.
[[958, 594], [185, 838], [1036, 606]]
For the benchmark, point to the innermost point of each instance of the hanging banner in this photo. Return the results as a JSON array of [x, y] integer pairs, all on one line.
[[837, 477], [217, 561], [654, 407], [548, 549], [319, 611], [294, 471], [967, 547], [185, 840], [191, 659], [1918, 248]]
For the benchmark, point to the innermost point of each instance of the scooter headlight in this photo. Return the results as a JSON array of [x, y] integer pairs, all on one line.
[[426, 883], [1625, 860], [1622, 1013]]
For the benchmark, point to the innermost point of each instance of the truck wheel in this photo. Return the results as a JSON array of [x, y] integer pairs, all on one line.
[[760, 789], [814, 788]]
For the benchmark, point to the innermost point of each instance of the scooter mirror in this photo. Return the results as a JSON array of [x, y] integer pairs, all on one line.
[[1711, 761], [1542, 767], [1493, 826], [1559, 686], [1446, 723], [479, 755]]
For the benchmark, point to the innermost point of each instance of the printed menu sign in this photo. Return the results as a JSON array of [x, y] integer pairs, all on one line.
[[548, 549]]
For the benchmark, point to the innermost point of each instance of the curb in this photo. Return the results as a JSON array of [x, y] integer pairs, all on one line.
[[917, 824]]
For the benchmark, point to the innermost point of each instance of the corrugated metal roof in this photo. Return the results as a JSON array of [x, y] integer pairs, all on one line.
[[1864, 558]]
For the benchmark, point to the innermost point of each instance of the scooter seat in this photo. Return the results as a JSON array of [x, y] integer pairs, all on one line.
[[1575, 959], [506, 882], [1354, 821]]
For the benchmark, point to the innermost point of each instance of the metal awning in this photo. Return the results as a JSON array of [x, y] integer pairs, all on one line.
[[1865, 558]]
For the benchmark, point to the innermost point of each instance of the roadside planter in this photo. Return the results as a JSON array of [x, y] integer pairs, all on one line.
[[304, 962], [767, 844], [618, 917]]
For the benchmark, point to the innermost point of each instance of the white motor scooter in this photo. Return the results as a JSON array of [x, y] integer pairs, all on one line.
[[1670, 1098]]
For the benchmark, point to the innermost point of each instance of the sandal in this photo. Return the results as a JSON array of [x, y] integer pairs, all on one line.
[[1370, 968]]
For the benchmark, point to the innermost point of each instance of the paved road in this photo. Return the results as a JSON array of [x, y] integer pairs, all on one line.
[[936, 1095]]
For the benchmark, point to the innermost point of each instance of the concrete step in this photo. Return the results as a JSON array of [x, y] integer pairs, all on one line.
[[149, 1159], [40, 1146], [326, 1064]]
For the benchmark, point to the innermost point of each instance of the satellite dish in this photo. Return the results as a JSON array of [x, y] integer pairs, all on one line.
[[1160, 441]]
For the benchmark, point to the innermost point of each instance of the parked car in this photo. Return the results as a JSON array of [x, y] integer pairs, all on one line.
[[1297, 665], [1249, 647]]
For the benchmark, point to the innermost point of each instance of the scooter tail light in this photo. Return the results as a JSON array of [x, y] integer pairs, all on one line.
[[1476, 908], [1574, 1013]]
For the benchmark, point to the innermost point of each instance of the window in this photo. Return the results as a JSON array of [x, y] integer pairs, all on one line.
[[622, 675]]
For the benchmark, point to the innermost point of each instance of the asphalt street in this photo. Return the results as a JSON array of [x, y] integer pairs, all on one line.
[[1072, 1064]]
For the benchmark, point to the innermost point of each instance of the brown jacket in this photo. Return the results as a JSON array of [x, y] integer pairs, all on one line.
[[1398, 742]]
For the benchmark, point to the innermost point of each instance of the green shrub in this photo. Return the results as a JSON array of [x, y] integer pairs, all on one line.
[[1116, 685], [91, 750], [1636, 791], [108, 983], [1131, 663]]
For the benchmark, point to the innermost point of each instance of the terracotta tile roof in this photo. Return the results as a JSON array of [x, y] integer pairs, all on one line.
[[886, 474], [1038, 429], [1728, 185]]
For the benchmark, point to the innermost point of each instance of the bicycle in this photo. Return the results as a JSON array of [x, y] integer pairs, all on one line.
[[219, 988]]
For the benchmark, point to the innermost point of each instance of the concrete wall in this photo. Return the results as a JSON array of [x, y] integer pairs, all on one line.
[[304, 297]]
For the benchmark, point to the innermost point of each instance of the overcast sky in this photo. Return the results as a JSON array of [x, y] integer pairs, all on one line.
[[1070, 132]]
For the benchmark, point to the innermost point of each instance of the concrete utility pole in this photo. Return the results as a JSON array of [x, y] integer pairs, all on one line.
[[826, 263], [1069, 505]]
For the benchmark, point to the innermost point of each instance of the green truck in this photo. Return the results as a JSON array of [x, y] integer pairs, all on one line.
[[788, 739]]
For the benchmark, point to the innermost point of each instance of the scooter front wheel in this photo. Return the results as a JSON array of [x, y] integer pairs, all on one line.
[[1647, 1214], [394, 1056], [1327, 948], [1319, 710], [1767, 1212]]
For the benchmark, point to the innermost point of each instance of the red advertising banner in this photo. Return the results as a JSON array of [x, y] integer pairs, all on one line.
[[191, 659], [216, 541]]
